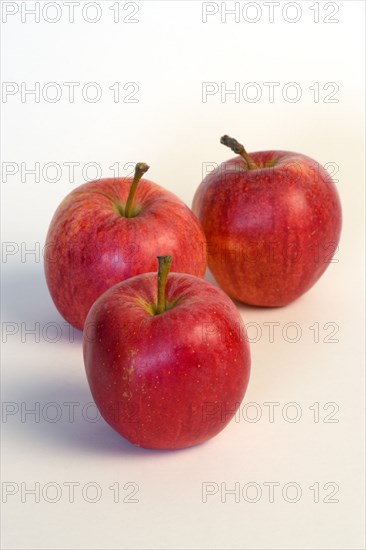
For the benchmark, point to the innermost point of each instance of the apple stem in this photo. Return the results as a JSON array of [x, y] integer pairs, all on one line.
[[164, 267], [140, 170], [238, 148]]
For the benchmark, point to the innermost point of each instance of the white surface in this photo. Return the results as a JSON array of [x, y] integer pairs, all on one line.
[[169, 53]]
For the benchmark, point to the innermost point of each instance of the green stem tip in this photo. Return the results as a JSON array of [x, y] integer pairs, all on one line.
[[238, 148], [164, 267], [140, 170]]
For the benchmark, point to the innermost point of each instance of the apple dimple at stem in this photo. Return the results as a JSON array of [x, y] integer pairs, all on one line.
[[239, 149], [164, 267], [140, 170]]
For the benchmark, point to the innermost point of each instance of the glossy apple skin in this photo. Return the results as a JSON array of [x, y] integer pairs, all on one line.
[[171, 380], [270, 232], [90, 246]]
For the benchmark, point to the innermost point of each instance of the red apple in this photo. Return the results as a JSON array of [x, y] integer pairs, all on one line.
[[108, 230], [272, 221], [167, 363]]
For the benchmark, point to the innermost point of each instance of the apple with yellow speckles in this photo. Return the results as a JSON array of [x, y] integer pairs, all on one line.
[[108, 230], [272, 221], [166, 358]]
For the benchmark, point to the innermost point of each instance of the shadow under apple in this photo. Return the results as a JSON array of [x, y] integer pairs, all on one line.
[[66, 419], [26, 299]]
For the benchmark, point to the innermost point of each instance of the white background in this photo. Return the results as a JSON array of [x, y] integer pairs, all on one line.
[[169, 52]]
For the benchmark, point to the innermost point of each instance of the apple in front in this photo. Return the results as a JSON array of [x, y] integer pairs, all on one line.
[[108, 230], [272, 221], [166, 358]]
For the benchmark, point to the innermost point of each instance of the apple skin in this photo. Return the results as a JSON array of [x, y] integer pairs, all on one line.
[[170, 380], [271, 232], [90, 246]]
